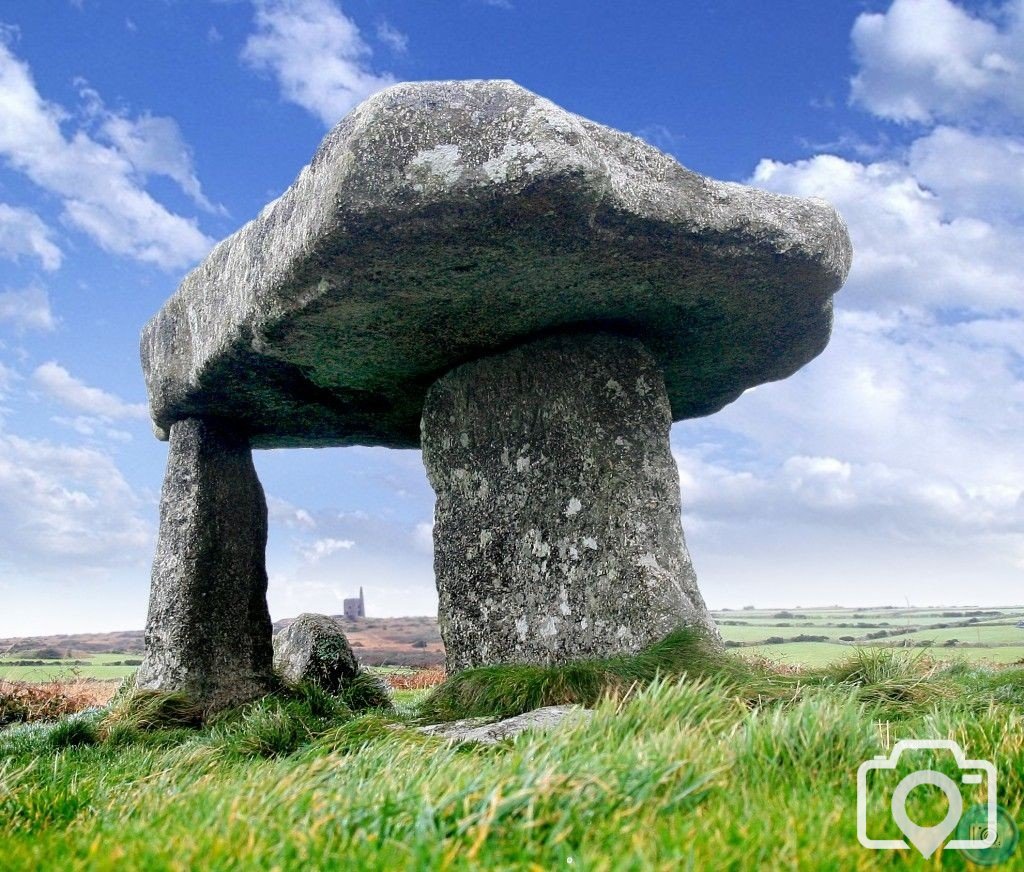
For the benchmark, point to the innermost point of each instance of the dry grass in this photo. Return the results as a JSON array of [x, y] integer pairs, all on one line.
[[768, 664], [416, 680], [24, 701]]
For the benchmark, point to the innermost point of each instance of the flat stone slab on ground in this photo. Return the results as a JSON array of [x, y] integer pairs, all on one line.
[[489, 732]]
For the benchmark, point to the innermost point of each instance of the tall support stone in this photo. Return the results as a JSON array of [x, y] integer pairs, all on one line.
[[557, 528], [209, 631]]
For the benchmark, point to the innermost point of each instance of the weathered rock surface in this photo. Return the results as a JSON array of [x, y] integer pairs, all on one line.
[[441, 221], [491, 732], [557, 530], [208, 632], [315, 648]]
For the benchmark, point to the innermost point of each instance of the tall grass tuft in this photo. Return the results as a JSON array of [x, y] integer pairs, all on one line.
[[366, 691], [152, 710], [897, 681], [73, 733], [504, 691], [276, 726]]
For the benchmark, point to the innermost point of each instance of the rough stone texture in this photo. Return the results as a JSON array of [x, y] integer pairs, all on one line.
[[209, 631], [441, 221], [315, 648], [491, 732], [557, 531]]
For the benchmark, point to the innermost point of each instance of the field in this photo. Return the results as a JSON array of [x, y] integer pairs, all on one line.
[[818, 637], [971, 634], [98, 667], [412, 641], [692, 760]]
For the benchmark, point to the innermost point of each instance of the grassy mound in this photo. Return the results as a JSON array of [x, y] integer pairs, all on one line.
[[504, 691]]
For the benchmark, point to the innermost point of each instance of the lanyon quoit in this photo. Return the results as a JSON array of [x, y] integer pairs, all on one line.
[[530, 297]]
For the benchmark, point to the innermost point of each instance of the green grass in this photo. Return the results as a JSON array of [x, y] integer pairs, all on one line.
[[97, 666], [981, 634], [693, 760], [503, 691], [811, 654], [818, 654], [996, 632]]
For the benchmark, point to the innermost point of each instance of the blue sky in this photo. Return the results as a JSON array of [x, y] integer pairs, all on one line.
[[890, 470]]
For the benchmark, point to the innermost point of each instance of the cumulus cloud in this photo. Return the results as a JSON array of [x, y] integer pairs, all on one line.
[[972, 173], [152, 144], [912, 246], [22, 232], [58, 383], [97, 183], [27, 309], [61, 502], [927, 60], [316, 53], [892, 465], [322, 548]]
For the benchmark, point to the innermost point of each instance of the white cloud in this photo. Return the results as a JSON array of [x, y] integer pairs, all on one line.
[[76, 394], [316, 53], [972, 173], [22, 232], [283, 512], [97, 183], [27, 309], [394, 39], [912, 247], [7, 378], [322, 548], [892, 465], [66, 506], [423, 536], [152, 144], [94, 427], [927, 60]]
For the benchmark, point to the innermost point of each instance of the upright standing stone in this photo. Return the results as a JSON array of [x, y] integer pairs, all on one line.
[[557, 529], [209, 631], [441, 224]]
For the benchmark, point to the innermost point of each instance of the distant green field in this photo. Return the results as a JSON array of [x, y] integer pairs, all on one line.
[[96, 667], [804, 653], [823, 653], [1003, 642], [1007, 634], [760, 633]]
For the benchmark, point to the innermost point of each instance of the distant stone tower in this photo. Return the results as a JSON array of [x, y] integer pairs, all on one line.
[[355, 608]]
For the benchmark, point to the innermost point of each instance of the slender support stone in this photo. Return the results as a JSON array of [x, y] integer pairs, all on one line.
[[557, 528], [209, 631]]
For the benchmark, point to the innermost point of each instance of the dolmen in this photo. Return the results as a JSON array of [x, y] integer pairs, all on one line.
[[529, 297]]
